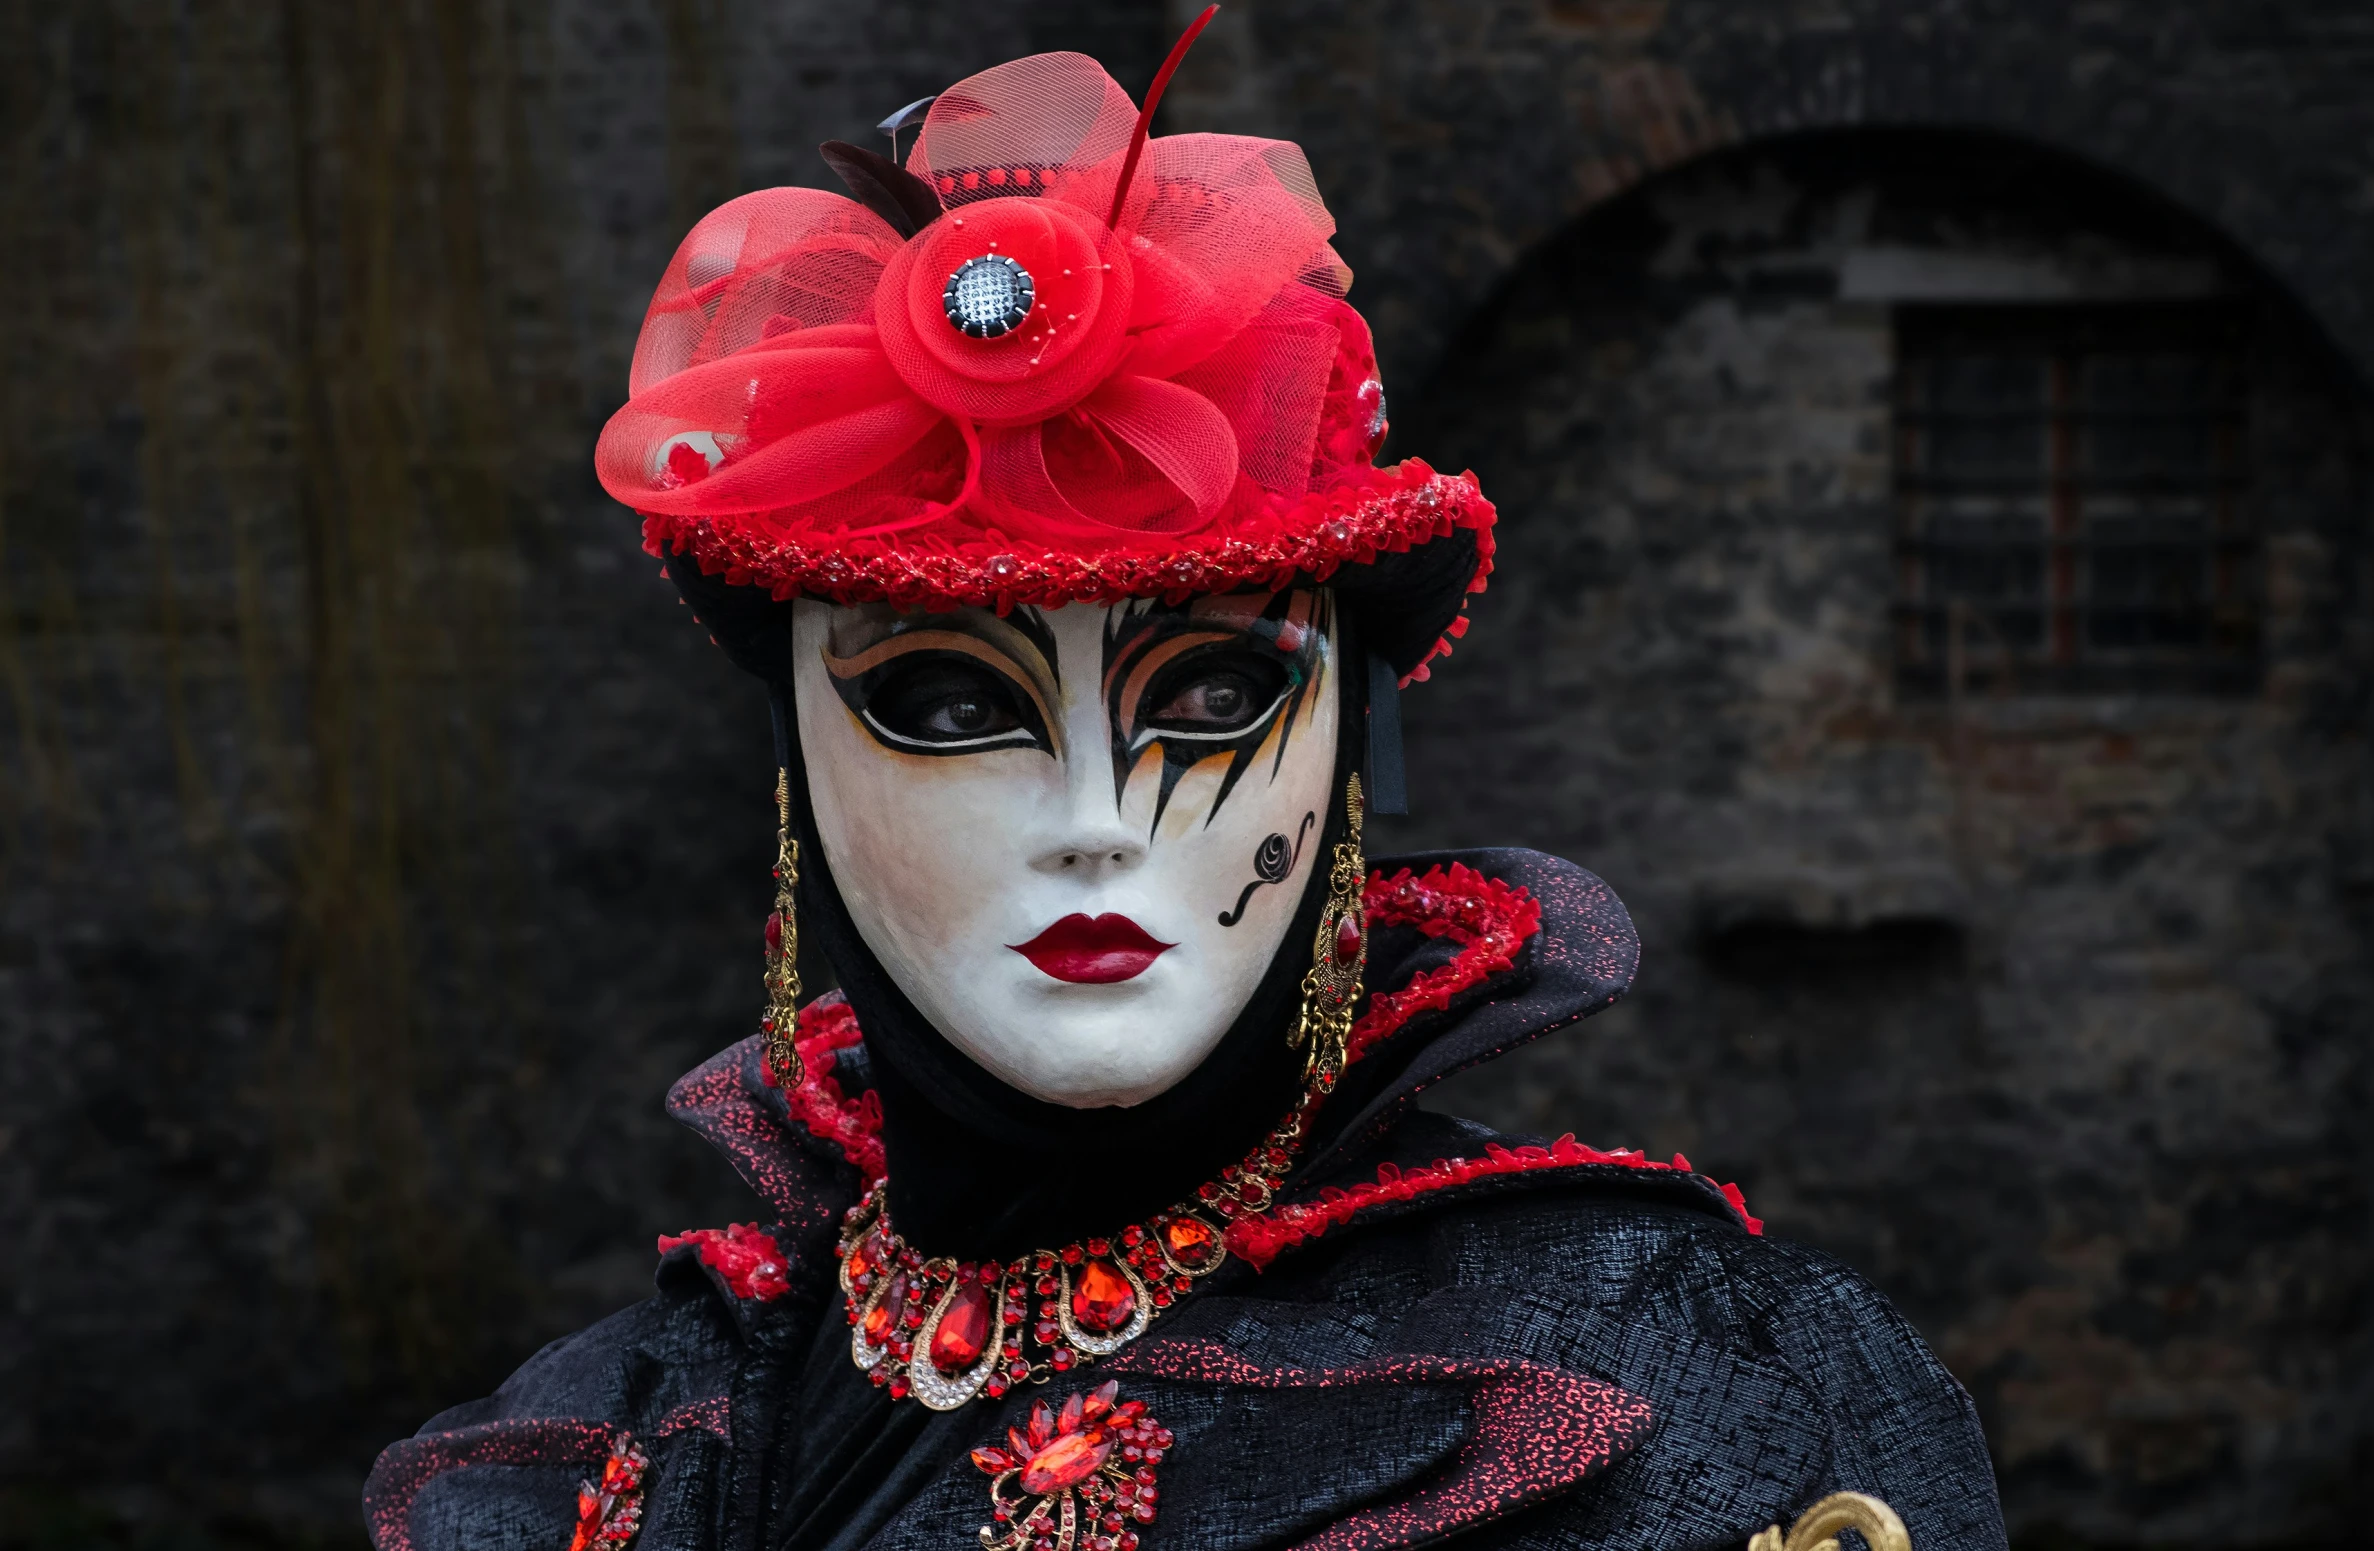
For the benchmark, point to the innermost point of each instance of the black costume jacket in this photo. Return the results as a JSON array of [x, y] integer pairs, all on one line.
[[1541, 1351]]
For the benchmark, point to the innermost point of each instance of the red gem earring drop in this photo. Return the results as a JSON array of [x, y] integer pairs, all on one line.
[[779, 1028]]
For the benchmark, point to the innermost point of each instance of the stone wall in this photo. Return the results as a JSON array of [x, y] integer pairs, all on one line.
[[380, 838], [2047, 1013], [2050, 1015]]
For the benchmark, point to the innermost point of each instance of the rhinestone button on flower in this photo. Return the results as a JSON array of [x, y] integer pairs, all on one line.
[[988, 296]]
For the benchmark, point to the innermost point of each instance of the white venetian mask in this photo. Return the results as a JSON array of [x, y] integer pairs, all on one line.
[[1074, 837]]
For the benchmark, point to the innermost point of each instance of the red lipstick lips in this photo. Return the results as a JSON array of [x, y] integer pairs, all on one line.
[[1093, 951]]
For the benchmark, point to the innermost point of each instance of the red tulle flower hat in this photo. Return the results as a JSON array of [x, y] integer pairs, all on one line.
[[1047, 360]]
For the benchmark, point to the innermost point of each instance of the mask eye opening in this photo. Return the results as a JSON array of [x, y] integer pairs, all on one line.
[[921, 702], [1248, 666]]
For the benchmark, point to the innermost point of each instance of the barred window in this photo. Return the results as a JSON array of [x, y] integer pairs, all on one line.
[[2071, 490]]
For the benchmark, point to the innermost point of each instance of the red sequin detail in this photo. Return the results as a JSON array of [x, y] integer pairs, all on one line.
[[748, 1259], [713, 1415], [1535, 1431], [406, 1468]]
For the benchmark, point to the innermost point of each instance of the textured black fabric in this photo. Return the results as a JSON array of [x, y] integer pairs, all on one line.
[[1404, 602], [1772, 1374]]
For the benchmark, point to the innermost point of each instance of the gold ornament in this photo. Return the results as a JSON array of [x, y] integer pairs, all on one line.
[[1817, 1528], [780, 1027], [1338, 957]]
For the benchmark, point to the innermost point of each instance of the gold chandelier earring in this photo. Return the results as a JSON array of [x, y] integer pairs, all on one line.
[[779, 1028], [1339, 955]]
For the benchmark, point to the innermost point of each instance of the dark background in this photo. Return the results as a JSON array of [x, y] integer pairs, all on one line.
[[380, 837]]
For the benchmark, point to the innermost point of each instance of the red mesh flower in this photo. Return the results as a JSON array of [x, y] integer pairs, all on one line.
[[1104, 352]]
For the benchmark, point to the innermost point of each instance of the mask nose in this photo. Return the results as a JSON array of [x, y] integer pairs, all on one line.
[[1088, 839]]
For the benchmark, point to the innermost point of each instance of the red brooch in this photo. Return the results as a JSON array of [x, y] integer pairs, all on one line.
[[610, 1510], [1075, 1479]]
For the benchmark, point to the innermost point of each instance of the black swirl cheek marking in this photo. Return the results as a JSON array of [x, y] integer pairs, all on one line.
[[1273, 859], [1273, 862]]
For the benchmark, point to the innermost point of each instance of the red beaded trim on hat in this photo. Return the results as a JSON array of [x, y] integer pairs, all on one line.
[[1383, 511]]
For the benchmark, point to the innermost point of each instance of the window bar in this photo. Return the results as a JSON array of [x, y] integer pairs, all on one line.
[[2067, 516]]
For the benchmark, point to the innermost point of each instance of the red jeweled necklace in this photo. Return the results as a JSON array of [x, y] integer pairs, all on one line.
[[947, 1331]]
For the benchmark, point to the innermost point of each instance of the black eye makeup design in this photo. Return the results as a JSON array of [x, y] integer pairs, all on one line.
[[1211, 677], [948, 686]]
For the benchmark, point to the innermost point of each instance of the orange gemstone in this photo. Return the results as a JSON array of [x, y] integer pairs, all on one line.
[[589, 1519], [1102, 1300], [1190, 1242], [1068, 1461], [1347, 939], [963, 1332], [860, 1262], [882, 1319]]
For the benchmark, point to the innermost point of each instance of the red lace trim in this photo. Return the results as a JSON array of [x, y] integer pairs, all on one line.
[[1394, 510], [1260, 1240], [1493, 920], [828, 1024], [748, 1258]]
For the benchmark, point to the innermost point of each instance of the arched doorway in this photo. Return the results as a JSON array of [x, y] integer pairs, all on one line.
[[1931, 592]]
